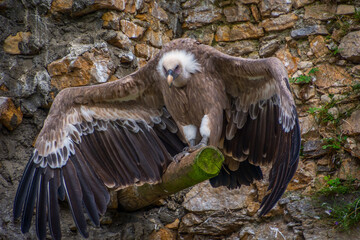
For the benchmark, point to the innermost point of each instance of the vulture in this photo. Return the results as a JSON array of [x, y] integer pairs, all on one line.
[[126, 132]]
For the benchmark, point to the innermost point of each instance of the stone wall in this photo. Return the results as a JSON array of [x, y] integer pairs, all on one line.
[[48, 45]]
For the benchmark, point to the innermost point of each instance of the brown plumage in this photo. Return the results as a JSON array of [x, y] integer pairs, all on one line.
[[126, 132]]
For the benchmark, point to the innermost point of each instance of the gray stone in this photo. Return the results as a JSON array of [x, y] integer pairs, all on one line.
[[313, 148], [345, 9], [239, 48], [351, 125], [320, 12], [305, 64], [301, 3], [237, 13], [202, 15], [269, 48], [308, 31], [350, 47], [274, 8], [203, 197], [217, 224]]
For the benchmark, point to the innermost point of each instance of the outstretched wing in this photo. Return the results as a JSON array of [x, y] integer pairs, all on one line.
[[105, 136], [261, 126]]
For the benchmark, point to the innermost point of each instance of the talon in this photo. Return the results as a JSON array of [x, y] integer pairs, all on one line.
[[180, 155], [196, 147]]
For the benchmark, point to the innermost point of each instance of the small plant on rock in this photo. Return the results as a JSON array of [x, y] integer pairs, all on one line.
[[336, 186], [334, 143], [341, 209], [303, 78]]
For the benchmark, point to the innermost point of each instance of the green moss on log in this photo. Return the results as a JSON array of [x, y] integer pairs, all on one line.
[[197, 167]]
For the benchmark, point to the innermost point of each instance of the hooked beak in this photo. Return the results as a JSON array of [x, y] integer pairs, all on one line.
[[170, 77]]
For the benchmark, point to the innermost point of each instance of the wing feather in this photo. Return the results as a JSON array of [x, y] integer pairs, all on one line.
[[94, 138], [261, 125], [53, 206]]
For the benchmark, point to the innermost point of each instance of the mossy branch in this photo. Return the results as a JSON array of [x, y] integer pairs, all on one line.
[[194, 168]]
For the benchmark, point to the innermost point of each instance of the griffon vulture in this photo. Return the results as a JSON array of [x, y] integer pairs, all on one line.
[[126, 132]]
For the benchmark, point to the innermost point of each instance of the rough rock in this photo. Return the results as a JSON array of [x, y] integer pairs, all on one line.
[[308, 125], [80, 8], [350, 167], [318, 46], [350, 47], [280, 23], [245, 31], [205, 36], [10, 115], [303, 177], [305, 64], [274, 8], [118, 39], [145, 51], [355, 70], [330, 75], [269, 48], [337, 34], [351, 125], [203, 197], [255, 12], [11, 43], [238, 48], [111, 20], [131, 29], [159, 13], [238, 32], [301, 3], [345, 9], [202, 15], [313, 149], [288, 59], [217, 224], [249, 1], [222, 34], [308, 31], [162, 234], [61, 6], [320, 12], [156, 39], [173, 225], [304, 92], [352, 145], [237, 13], [89, 67]]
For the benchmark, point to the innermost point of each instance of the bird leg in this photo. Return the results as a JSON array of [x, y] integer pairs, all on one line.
[[202, 143], [191, 148]]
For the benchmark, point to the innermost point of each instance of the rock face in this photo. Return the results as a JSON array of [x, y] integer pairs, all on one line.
[[320, 12], [280, 23], [308, 31], [351, 126], [91, 66], [203, 197], [46, 46], [350, 47], [274, 8], [10, 116]]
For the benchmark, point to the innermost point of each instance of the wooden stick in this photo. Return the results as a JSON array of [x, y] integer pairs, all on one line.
[[194, 168]]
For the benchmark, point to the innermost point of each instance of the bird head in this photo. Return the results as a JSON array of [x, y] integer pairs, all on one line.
[[177, 66]]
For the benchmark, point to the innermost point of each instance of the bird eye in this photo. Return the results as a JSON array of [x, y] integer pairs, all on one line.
[[177, 67], [164, 69]]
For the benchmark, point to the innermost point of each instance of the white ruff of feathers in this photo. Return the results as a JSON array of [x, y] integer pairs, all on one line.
[[187, 61]]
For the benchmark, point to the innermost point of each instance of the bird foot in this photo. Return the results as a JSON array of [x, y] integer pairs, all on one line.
[[180, 155], [196, 147], [192, 148]]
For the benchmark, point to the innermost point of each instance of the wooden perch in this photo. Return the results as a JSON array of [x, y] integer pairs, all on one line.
[[194, 168]]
